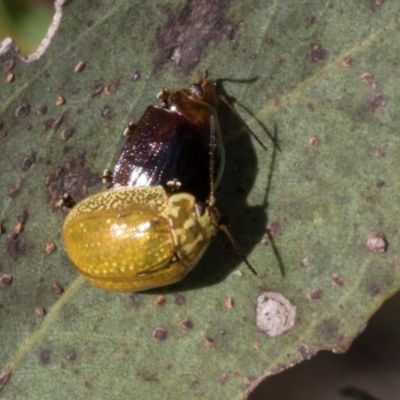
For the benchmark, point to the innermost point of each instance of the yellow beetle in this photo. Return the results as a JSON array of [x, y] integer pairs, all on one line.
[[132, 239]]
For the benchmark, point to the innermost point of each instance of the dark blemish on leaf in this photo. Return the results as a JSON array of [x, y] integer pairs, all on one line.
[[346, 62], [134, 300], [377, 101], [377, 243], [4, 377], [379, 2], [90, 23], [50, 247], [367, 78], [45, 357], [318, 53], [16, 248], [380, 184], [73, 179], [42, 110], [40, 311], [277, 103], [304, 352], [60, 101], [223, 378], [270, 41], [66, 134], [6, 280], [3, 134], [79, 67], [56, 288], [111, 87], [107, 112], [53, 123], [13, 192], [315, 295], [337, 280], [160, 300], [22, 110], [310, 106], [272, 229], [175, 54], [328, 330], [87, 385], [194, 384], [208, 342], [190, 29], [229, 303], [179, 299], [28, 161], [311, 20], [374, 289], [135, 76], [8, 65], [147, 377], [305, 262], [160, 333], [313, 141], [71, 355], [18, 227], [97, 89], [186, 324], [9, 77], [253, 56]]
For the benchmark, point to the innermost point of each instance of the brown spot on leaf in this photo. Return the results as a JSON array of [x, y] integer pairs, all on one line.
[[28, 161], [53, 123], [318, 53], [337, 280], [208, 342], [8, 65], [189, 30], [16, 248], [13, 192], [72, 178], [374, 289], [45, 357], [111, 87], [6, 280], [315, 295], [160, 300], [79, 67], [180, 299], [4, 377], [66, 133], [97, 89], [186, 324], [377, 243], [107, 112], [160, 333], [22, 110], [42, 110]]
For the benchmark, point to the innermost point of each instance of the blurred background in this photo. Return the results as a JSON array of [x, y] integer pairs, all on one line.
[[26, 21], [370, 370]]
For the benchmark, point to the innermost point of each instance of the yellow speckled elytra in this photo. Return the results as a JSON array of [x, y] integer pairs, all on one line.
[[132, 239]]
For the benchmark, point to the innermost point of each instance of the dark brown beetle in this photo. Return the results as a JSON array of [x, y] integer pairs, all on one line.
[[170, 145]]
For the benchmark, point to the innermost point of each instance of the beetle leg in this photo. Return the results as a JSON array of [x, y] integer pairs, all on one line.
[[237, 115], [129, 129], [66, 201], [107, 176], [163, 95]]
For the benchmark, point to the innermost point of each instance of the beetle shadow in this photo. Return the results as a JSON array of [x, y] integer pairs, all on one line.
[[247, 224]]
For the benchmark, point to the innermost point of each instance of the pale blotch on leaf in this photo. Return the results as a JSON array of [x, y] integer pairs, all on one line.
[[275, 313]]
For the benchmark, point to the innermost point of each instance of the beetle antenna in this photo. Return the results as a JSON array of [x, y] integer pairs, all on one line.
[[213, 146], [211, 199], [237, 115]]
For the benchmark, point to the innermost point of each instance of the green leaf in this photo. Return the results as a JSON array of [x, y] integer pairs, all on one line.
[[312, 212]]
